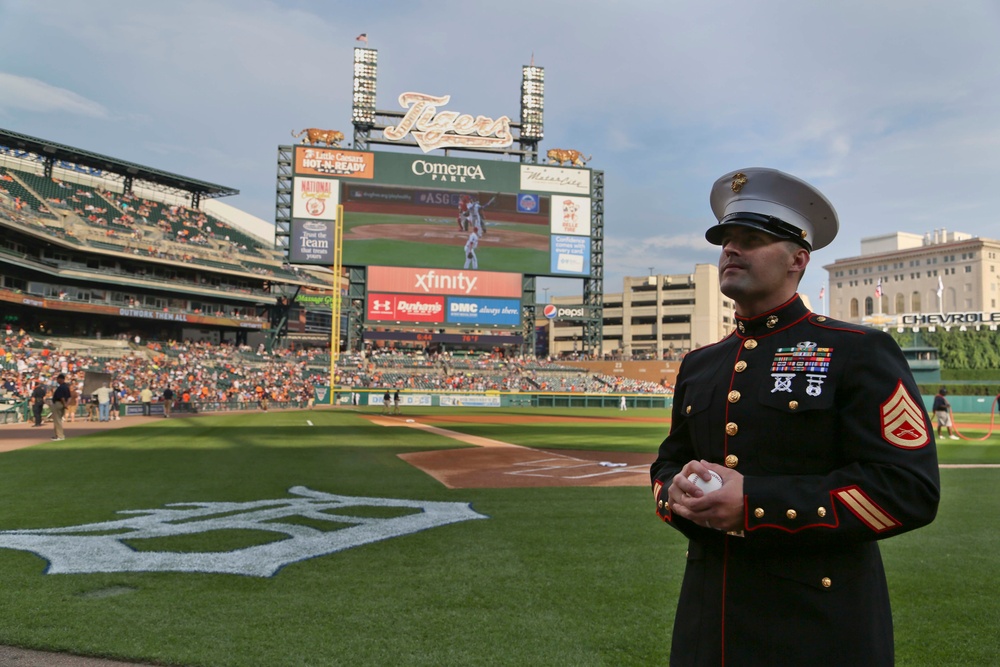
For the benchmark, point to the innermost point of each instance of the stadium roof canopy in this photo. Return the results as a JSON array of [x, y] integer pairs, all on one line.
[[51, 152]]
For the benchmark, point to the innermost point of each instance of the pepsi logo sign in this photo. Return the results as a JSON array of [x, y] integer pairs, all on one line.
[[549, 311]]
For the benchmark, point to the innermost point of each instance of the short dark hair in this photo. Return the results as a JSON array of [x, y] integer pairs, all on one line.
[[60, 377]]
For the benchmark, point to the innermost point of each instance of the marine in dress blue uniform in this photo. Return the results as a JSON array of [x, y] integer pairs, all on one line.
[[817, 429]]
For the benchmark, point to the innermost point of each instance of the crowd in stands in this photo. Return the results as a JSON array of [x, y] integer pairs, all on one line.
[[482, 372], [207, 374], [199, 373]]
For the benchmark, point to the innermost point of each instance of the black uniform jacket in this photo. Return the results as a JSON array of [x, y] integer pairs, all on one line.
[[825, 422]]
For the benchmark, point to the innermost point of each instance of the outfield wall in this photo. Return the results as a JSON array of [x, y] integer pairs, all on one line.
[[494, 399], [368, 397]]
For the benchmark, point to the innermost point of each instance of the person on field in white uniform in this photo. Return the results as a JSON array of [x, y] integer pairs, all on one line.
[[471, 261]]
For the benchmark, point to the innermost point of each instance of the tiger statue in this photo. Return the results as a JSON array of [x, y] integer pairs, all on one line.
[[567, 155], [316, 137]]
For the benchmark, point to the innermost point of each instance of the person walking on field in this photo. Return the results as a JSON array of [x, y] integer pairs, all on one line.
[[795, 444], [942, 413], [168, 402], [61, 398], [38, 402], [146, 397], [395, 402], [69, 414], [386, 402], [623, 404], [114, 403]]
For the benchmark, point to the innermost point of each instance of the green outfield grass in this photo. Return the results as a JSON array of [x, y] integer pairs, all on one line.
[[554, 576]]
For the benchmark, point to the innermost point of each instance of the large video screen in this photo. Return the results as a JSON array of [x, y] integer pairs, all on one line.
[[421, 211]]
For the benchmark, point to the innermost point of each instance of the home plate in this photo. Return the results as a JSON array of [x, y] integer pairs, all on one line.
[[410, 421]]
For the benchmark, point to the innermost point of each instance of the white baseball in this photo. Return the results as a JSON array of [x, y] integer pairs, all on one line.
[[713, 484]]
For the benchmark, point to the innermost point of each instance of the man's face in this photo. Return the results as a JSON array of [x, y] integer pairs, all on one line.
[[754, 265]]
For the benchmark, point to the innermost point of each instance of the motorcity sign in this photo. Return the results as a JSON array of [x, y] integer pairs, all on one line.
[[447, 129]]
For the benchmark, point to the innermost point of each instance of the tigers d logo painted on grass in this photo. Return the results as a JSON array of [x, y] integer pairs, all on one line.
[[310, 525]]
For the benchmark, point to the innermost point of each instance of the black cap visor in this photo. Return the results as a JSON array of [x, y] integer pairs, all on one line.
[[765, 223]]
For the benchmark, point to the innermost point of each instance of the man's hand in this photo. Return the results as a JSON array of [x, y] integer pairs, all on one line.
[[721, 509]]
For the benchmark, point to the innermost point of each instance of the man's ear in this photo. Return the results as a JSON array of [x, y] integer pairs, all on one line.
[[800, 259]]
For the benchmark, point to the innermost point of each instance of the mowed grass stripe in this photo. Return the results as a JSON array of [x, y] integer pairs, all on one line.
[[558, 576]]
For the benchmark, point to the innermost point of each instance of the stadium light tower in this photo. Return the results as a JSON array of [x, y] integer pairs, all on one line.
[[532, 108], [363, 110]]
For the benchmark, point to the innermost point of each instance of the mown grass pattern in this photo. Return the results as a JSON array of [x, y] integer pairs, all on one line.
[[556, 576]]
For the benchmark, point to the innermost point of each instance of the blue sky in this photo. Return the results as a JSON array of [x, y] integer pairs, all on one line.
[[891, 108]]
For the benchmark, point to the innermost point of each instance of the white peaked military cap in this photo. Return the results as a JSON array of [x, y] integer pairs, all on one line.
[[774, 202]]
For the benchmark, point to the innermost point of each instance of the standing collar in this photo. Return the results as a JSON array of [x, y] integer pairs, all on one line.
[[773, 320]]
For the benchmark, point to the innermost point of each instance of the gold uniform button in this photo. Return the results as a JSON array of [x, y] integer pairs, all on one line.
[[826, 582], [741, 366], [732, 460], [688, 410], [749, 343], [821, 512], [791, 514], [734, 396], [659, 503], [732, 428], [759, 512], [793, 405], [821, 319]]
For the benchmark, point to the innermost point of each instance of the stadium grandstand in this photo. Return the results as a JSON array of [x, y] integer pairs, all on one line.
[[97, 246], [111, 267]]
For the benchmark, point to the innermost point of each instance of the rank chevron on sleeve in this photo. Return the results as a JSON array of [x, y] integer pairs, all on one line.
[[903, 422]]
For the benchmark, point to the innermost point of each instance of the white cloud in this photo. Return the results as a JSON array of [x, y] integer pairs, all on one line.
[[27, 94]]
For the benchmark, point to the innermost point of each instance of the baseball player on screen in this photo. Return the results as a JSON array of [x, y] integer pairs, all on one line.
[[476, 215], [463, 213], [471, 261]]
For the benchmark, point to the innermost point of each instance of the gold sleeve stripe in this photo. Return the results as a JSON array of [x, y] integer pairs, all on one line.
[[865, 509], [656, 489]]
